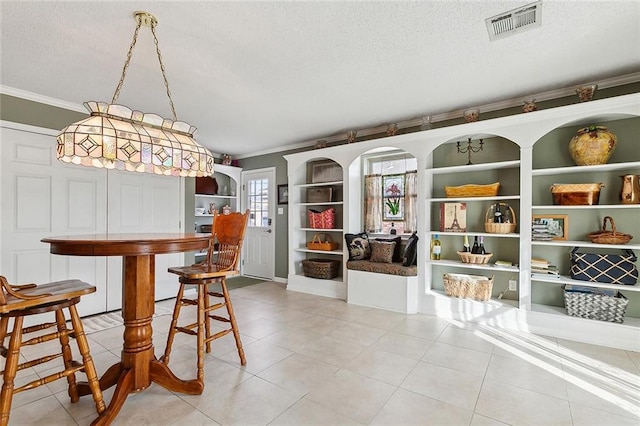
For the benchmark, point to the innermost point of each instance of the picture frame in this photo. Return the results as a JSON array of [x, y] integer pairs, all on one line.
[[283, 194], [557, 225], [327, 171]]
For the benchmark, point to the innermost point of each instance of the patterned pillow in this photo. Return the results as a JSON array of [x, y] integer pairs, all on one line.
[[382, 251], [358, 245], [397, 252]]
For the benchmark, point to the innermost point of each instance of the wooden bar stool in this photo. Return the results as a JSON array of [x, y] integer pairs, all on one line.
[[20, 301], [227, 235]]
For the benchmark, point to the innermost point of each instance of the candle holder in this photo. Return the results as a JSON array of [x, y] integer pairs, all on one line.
[[469, 149]]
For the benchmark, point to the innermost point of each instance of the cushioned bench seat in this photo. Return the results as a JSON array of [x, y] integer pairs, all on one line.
[[382, 268]]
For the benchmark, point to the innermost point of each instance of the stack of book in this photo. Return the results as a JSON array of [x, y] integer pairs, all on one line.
[[540, 232], [542, 266]]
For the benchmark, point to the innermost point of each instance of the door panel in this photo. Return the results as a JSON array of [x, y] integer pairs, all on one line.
[[259, 247]]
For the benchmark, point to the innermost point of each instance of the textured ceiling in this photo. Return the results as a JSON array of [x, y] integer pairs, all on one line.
[[253, 76]]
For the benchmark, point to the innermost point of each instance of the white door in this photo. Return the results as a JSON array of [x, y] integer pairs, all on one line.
[[141, 202], [258, 195], [43, 197]]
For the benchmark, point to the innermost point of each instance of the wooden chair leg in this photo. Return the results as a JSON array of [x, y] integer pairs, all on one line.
[[202, 295], [232, 319], [67, 357], [207, 318], [10, 369], [87, 360], [4, 325], [174, 324]]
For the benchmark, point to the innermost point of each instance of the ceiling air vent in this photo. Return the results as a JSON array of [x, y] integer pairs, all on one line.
[[515, 21]]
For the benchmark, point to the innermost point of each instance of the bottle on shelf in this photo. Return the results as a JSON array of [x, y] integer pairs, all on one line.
[[481, 249], [475, 247], [436, 248], [497, 215], [393, 230], [466, 247]]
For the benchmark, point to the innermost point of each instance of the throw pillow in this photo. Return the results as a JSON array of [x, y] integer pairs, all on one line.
[[358, 245], [410, 256], [397, 252], [382, 251]]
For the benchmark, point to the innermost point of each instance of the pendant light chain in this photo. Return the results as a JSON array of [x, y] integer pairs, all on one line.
[[152, 24]]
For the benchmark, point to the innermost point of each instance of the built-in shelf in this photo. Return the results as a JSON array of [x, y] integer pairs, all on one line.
[[493, 301], [585, 244], [463, 199], [586, 207], [563, 279], [585, 169], [484, 266], [475, 234], [328, 203], [475, 167], [306, 250], [562, 312], [308, 185]]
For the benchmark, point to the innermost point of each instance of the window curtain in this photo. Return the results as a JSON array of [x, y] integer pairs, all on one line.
[[373, 203], [411, 202]]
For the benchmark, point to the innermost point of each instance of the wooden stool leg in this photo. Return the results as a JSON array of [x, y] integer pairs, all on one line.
[[10, 369], [207, 318], [232, 319], [67, 357], [87, 360], [4, 325], [172, 327], [202, 294]]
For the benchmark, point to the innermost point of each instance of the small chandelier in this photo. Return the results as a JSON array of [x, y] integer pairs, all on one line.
[[116, 137]]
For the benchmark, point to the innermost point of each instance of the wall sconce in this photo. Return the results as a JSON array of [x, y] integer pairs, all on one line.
[[469, 149]]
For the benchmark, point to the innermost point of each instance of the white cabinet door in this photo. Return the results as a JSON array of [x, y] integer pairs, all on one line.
[[143, 203], [44, 197]]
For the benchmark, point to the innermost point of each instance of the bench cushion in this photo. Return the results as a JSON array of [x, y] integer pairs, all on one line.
[[383, 268]]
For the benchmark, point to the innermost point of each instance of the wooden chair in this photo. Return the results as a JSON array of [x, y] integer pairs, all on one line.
[[227, 235], [20, 301]]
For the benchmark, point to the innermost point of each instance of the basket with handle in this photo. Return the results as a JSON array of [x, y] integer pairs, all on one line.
[[322, 241], [500, 228], [609, 237]]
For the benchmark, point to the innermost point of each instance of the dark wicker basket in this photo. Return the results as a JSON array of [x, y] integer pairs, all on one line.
[[321, 268]]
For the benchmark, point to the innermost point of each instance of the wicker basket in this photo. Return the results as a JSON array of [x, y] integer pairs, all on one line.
[[596, 306], [479, 259], [576, 194], [318, 243], [325, 269], [472, 190], [500, 228], [609, 237], [468, 286]]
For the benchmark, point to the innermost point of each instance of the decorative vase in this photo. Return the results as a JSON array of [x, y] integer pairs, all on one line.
[[630, 192], [592, 145]]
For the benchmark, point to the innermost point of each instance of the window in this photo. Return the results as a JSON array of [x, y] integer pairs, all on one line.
[[390, 192]]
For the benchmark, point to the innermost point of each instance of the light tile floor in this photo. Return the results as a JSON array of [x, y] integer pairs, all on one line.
[[318, 361]]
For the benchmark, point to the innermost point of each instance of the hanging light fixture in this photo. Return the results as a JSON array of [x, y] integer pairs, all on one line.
[[116, 137]]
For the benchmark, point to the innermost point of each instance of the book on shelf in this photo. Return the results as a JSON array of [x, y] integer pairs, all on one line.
[[503, 263], [453, 217], [535, 275], [547, 271], [539, 263]]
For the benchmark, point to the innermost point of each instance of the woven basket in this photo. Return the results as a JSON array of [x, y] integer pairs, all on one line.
[[574, 194], [479, 259], [596, 306], [317, 243], [468, 286], [472, 190], [609, 237], [500, 228], [325, 269]]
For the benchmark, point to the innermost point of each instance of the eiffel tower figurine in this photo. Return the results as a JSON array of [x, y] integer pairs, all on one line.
[[455, 226]]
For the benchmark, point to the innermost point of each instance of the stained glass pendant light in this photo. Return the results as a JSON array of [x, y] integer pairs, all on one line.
[[116, 137]]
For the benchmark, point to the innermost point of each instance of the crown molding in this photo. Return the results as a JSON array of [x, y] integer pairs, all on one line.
[[46, 100], [450, 115]]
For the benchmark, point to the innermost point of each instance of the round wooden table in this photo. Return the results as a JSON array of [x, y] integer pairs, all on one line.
[[138, 366]]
